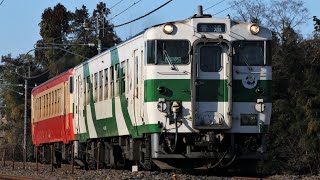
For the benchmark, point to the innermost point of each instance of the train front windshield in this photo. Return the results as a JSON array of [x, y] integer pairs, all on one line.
[[168, 51], [252, 53]]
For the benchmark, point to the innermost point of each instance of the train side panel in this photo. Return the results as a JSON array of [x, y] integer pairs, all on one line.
[[109, 95], [52, 112]]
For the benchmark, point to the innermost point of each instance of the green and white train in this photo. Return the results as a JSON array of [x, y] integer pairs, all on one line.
[[191, 93]]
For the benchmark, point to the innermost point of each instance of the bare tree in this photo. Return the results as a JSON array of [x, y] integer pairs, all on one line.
[[250, 10], [278, 15]]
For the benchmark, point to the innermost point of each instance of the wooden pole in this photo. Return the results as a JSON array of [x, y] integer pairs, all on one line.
[[72, 154], [51, 146], [4, 158], [98, 156], [37, 158], [13, 159]]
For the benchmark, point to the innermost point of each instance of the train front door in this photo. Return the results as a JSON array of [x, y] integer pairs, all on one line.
[[210, 89]]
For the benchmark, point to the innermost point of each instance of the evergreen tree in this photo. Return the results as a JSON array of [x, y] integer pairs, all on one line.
[[63, 31]]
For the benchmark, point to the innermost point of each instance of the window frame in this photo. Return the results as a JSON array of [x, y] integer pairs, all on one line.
[[148, 42], [267, 52], [221, 58]]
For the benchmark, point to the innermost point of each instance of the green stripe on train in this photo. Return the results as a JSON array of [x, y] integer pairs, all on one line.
[[104, 127], [209, 90], [176, 89], [212, 91], [179, 90], [242, 94], [107, 127], [147, 128]]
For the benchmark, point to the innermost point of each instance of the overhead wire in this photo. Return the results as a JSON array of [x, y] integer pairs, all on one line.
[[228, 7], [143, 15], [135, 3], [1, 2], [116, 4], [214, 5]]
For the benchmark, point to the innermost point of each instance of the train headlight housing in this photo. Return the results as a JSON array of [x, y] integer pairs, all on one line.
[[168, 28], [254, 29]]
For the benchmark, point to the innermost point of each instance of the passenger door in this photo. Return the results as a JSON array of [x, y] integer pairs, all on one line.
[[210, 90]]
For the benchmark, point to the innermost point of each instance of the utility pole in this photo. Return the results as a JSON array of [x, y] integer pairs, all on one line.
[[98, 34], [86, 27], [25, 118]]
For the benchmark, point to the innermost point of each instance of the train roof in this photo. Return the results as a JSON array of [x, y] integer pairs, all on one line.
[[52, 82]]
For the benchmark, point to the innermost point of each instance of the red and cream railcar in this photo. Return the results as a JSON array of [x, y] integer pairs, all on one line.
[[51, 117]]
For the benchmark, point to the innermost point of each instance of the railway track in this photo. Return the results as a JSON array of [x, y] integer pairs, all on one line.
[[65, 172], [12, 177]]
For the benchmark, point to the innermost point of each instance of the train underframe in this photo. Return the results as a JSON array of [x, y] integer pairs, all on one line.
[[163, 150]]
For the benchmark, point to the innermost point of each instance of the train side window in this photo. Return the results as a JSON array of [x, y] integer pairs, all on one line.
[[141, 67], [46, 105], [91, 87], [106, 84], [37, 109], [43, 106], [52, 99], [137, 75], [84, 91], [123, 78], [127, 76], [71, 87], [55, 101], [49, 104], [111, 81], [88, 90], [95, 87], [58, 101], [48, 110], [100, 85], [76, 86], [116, 85], [40, 107]]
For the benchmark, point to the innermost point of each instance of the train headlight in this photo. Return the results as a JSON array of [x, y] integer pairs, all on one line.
[[254, 29], [168, 28]]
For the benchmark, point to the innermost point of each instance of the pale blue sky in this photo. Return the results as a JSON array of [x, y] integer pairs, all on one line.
[[19, 19]]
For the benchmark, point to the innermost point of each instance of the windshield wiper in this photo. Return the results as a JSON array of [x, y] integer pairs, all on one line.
[[246, 62], [167, 57]]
